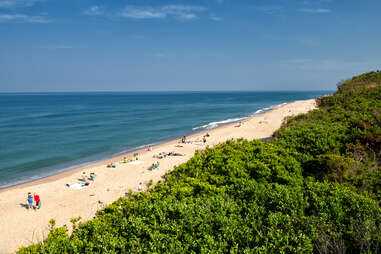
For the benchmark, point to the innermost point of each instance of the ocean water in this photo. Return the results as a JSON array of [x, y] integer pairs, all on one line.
[[45, 133]]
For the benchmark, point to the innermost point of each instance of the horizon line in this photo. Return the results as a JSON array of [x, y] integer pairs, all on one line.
[[158, 91]]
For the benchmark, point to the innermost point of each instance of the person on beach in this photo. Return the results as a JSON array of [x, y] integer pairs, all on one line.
[[30, 200], [84, 177], [204, 139], [37, 200], [140, 187]]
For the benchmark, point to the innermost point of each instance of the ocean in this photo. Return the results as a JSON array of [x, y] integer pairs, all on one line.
[[42, 134]]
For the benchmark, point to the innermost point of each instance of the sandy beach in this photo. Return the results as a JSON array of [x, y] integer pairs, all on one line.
[[21, 226]]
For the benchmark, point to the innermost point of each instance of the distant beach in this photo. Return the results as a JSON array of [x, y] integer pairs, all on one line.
[[64, 198]]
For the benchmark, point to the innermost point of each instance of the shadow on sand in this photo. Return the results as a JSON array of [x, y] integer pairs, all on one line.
[[24, 205]]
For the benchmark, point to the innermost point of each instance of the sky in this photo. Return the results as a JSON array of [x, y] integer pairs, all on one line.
[[164, 45]]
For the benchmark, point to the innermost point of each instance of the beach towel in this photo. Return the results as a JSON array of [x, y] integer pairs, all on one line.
[[77, 186], [135, 162]]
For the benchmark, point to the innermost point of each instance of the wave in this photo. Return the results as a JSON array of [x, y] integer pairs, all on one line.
[[214, 125], [263, 110]]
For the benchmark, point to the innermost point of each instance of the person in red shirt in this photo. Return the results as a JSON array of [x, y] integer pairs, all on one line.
[[38, 201]]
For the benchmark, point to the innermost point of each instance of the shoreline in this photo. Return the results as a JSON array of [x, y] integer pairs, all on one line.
[[62, 172], [22, 227], [116, 157], [85, 167]]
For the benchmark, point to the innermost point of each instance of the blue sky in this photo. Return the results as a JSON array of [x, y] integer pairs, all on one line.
[[123, 45]]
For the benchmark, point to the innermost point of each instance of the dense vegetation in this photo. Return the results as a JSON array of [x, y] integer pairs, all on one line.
[[316, 188]]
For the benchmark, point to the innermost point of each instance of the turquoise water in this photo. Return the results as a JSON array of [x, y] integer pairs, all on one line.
[[42, 134]]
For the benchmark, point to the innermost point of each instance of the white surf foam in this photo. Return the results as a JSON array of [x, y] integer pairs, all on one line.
[[213, 125], [263, 110]]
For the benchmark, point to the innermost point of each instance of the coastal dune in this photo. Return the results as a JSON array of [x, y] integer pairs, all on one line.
[[21, 226]]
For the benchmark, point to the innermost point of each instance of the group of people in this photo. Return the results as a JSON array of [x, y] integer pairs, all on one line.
[[111, 165], [126, 160], [163, 155], [134, 158], [155, 165], [204, 137], [85, 178], [34, 199], [185, 141], [160, 155]]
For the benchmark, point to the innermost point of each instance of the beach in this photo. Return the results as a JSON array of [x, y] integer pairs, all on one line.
[[21, 226]]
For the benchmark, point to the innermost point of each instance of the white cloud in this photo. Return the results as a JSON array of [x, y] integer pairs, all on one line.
[[215, 18], [315, 10], [142, 13], [94, 10], [17, 3], [187, 16], [18, 17], [276, 9], [185, 12], [174, 9], [22, 18]]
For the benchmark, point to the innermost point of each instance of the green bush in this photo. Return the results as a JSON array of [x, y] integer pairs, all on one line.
[[332, 167]]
